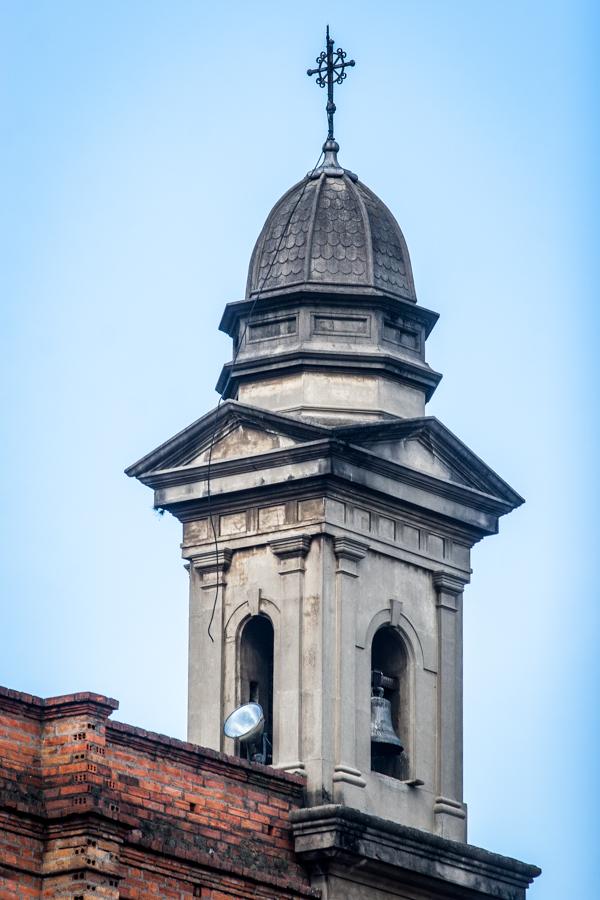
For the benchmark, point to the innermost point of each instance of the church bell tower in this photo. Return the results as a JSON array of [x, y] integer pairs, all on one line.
[[328, 523]]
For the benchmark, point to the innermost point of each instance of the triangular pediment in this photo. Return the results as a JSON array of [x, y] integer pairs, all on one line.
[[416, 453], [231, 431], [426, 446], [241, 440], [421, 448]]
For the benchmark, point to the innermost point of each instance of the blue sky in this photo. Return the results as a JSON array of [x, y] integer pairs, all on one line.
[[143, 146]]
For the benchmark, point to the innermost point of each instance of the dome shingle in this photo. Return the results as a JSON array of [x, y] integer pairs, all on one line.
[[330, 231]]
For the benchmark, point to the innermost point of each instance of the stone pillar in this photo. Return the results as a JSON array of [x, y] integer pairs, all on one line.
[[205, 694], [450, 814], [287, 688], [348, 554]]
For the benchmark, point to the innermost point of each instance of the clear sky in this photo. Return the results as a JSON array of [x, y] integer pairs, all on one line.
[[143, 146]]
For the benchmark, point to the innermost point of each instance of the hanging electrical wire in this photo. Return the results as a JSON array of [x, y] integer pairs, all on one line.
[[237, 348]]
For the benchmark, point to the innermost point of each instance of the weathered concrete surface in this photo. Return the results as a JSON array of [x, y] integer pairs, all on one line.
[[333, 533], [360, 857], [336, 358], [320, 496]]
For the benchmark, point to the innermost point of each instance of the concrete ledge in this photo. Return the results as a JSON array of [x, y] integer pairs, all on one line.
[[330, 837]]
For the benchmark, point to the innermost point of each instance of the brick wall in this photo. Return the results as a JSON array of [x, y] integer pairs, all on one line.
[[94, 808]]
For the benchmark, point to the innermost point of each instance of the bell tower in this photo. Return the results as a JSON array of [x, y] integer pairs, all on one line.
[[328, 523]]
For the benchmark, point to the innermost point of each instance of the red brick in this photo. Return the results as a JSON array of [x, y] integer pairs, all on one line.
[[166, 795]]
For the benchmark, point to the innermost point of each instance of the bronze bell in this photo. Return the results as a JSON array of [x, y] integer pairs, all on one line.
[[384, 740]]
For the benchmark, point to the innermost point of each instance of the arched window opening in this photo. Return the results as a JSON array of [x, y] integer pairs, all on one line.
[[389, 665], [256, 670]]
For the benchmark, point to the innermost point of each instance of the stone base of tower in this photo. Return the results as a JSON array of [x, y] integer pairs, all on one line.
[[355, 856]]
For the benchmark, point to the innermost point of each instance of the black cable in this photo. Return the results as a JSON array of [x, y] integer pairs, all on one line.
[[224, 391]]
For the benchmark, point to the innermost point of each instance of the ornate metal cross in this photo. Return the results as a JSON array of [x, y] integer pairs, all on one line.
[[330, 71]]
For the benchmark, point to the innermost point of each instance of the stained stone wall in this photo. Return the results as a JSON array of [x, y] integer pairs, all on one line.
[[328, 573], [362, 360]]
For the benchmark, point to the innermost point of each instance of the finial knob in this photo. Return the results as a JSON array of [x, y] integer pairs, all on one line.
[[330, 165], [330, 151]]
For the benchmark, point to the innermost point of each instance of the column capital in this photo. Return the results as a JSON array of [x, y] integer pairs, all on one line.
[[349, 553], [291, 552], [212, 561], [347, 548], [445, 583], [297, 545]]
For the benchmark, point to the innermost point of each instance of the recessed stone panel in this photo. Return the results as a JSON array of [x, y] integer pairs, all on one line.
[[362, 518], [193, 532], [342, 325], [336, 510], [311, 509], [410, 537], [386, 528], [272, 328], [271, 517], [435, 545], [460, 555], [233, 524], [397, 333]]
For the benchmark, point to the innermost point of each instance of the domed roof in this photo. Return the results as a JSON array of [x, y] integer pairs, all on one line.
[[327, 232]]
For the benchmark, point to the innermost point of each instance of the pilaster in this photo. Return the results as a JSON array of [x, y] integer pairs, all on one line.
[[450, 813], [347, 777], [207, 586], [291, 554]]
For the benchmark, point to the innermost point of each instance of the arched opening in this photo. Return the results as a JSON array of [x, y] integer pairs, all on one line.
[[256, 670], [389, 670]]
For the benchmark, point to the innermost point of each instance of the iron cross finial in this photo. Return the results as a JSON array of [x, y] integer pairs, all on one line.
[[331, 70]]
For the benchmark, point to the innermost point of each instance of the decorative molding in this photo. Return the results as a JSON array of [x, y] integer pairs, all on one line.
[[211, 561], [384, 850], [196, 437], [291, 552], [292, 768], [296, 545], [421, 648], [448, 807], [338, 296], [346, 548], [254, 598], [348, 554], [416, 374], [349, 775], [248, 607], [358, 466], [448, 585], [396, 607]]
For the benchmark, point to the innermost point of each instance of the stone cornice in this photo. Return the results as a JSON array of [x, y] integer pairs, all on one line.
[[331, 457], [237, 465], [440, 440], [445, 583], [211, 560], [185, 443], [338, 836], [348, 554], [346, 548], [417, 375], [169, 463], [235, 310], [290, 547]]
